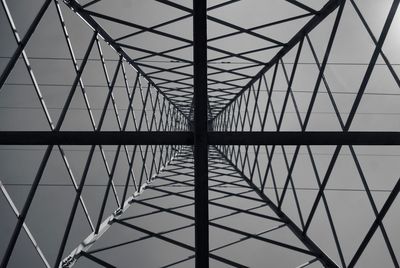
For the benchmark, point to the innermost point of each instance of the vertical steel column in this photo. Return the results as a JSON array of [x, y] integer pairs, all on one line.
[[200, 132]]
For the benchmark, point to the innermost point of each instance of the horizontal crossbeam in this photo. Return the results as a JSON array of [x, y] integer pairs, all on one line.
[[186, 138]]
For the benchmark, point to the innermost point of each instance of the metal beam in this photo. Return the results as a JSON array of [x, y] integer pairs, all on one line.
[[200, 132], [188, 138]]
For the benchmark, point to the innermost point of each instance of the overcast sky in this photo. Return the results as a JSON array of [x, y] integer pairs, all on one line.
[[351, 210]]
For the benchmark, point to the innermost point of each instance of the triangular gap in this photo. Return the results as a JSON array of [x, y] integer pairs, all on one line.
[[109, 54], [23, 13], [95, 185], [266, 210], [258, 163], [316, 4], [79, 32], [319, 37], [110, 119], [241, 221], [149, 162], [157, 100], [138, 13], [239, 157], [21, 109], [187, 70], [247, 110], [279, 167], [8, 43], [350, 62], [136, 105], [257, 104], [279, 92], [24, 253], [285, 235], [376, 253], [262, 13], [321, 233], [305, 81], [235, 155], [264, 55], [290, 118], [262, 251], [288, 153], [248, 43], [153, 68], [17, 181], [96, 86], [392, 42], [290, 208], [352, 212], [305, 181], [48, 42], [250, 71], [288, 61], [284, 31], [147, 109], [185, 235], [391, 223], [62, 198], [153, 43], [322, 156], [212, 55], [374, 13], [138, 167], [183, 28], [122, 254], [217, 29], [135, 54], [56, 82], [323, 116], [98, 192], [77, 233], [379, 166], [10, 219], [154, 109], [77, 117], [116, 30], [381, 89], [247, 161], [76, 157], [270, 182]]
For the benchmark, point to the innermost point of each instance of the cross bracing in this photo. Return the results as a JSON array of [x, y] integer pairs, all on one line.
[[199, 133]]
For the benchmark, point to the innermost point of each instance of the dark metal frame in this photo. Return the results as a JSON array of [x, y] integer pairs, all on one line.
[[207, 114]]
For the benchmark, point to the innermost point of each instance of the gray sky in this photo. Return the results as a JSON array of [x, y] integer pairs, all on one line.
[[350, 208]]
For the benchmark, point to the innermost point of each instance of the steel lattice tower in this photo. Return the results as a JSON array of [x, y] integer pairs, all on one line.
[[224, 133]]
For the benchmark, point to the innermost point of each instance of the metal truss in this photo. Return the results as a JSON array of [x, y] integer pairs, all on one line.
[[204, 156]]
